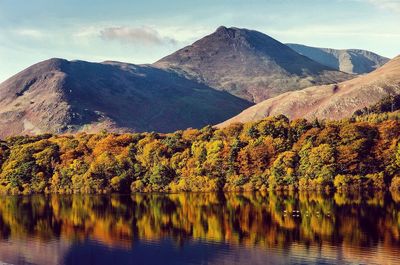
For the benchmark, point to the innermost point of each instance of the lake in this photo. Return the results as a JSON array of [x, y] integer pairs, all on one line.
[[201, 228]]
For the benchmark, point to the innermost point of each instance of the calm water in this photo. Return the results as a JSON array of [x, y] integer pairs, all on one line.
[[195, 228]]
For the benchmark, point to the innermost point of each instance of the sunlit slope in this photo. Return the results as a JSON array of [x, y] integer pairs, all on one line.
[[329, 101]]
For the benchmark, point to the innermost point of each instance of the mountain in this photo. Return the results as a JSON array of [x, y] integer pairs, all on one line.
[[69, 96], [248, 64], [351, 61], [329, 101]]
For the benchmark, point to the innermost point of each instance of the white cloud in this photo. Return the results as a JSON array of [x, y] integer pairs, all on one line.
[[135, 35], [393, 5], [86, 32], [31, 33]]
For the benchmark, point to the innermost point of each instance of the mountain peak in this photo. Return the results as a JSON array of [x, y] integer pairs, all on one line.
[[53, 63], [221, 29], [248, 64], [227, 29], [227, 33]]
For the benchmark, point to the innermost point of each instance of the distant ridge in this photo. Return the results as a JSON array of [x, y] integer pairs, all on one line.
[[352, 61]]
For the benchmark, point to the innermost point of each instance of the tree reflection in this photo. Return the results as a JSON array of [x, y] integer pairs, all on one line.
[[248, 219]]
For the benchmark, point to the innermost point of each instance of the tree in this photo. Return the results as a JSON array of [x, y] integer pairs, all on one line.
[[317, 165], [283, 171]]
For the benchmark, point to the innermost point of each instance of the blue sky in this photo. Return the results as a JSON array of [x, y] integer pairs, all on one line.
[[144, 31]]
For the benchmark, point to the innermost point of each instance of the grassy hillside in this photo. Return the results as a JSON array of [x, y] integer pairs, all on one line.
[[60, 96], [333, 102], [387, 104]]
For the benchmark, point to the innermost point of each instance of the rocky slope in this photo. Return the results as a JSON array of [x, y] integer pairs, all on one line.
[[248, 64], [69, 96], [351, 61], [329, 101]]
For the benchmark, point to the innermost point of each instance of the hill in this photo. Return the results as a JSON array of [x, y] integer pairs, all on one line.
[[329, 101], [59, 96], [248, 64]]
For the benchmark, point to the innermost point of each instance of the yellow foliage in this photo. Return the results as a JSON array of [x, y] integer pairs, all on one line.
[[273, 153]]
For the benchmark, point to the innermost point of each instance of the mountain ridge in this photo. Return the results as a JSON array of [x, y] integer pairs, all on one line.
[[58, 96], [353, 61], [248, 64], [207, 82]]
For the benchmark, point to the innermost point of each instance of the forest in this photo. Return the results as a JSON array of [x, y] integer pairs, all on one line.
[[362, 152]]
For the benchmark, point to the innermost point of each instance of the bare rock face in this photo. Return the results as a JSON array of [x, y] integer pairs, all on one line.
[[351, 61], [59, 96], [249, 64], [329, 101]]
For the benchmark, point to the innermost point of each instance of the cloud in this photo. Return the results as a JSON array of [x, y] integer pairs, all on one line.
[[393, 5], [31, 33], [135, 35]]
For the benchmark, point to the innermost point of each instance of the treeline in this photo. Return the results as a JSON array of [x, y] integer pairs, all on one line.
[[390, 103], [275, 153]]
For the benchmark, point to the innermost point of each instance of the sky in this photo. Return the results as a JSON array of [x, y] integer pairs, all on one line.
[[144, 31]]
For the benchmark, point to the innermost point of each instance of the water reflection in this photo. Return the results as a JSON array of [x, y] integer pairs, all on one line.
[[201, 228]]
